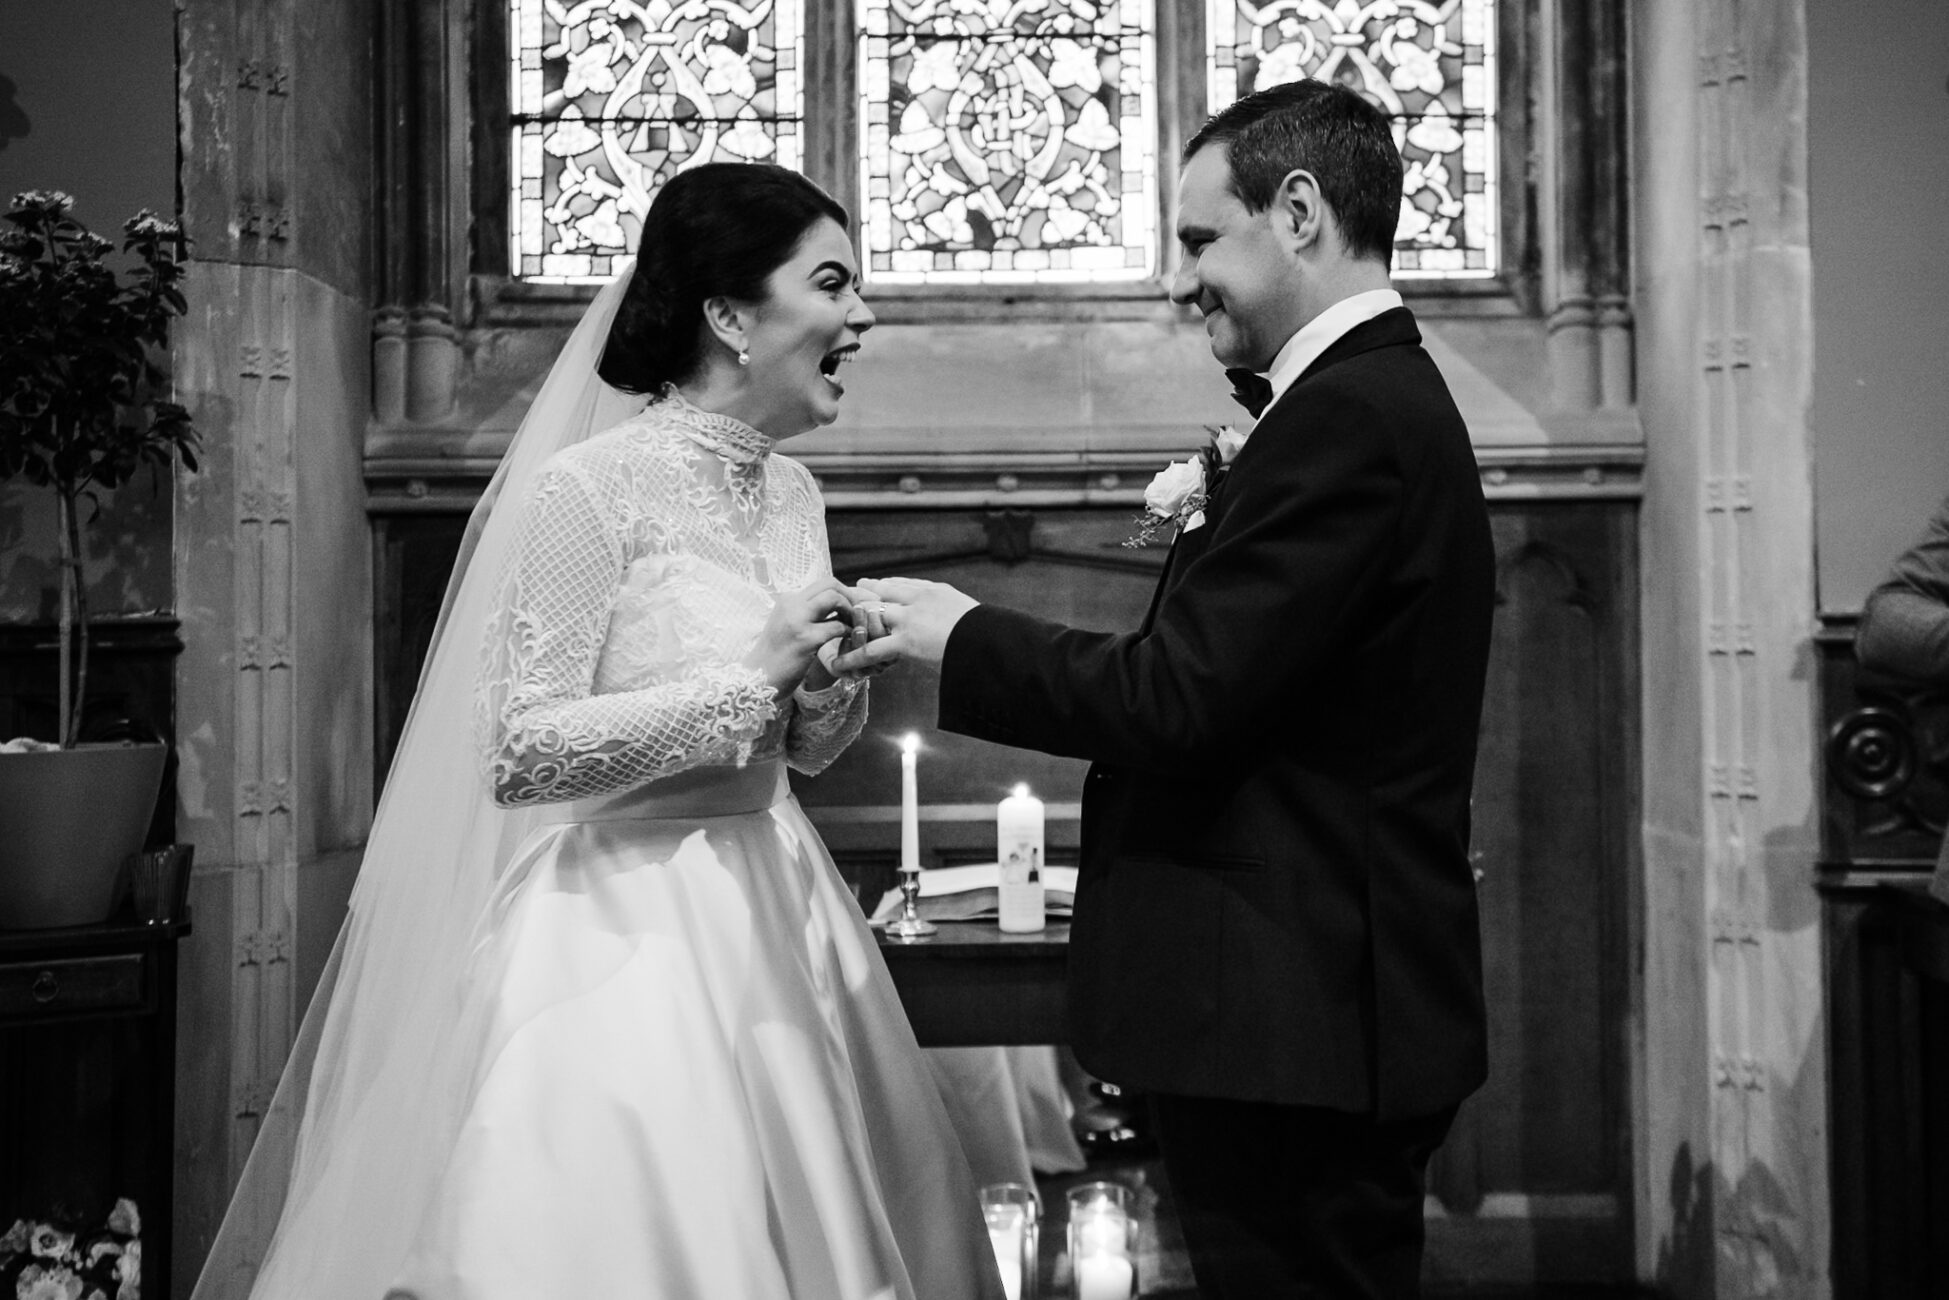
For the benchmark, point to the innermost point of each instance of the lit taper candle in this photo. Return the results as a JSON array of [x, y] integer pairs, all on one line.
[[909, 804]]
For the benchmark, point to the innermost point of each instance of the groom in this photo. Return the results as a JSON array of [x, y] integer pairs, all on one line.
[[1275, 929]]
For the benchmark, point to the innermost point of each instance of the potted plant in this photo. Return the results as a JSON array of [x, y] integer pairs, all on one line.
[[81, 349]]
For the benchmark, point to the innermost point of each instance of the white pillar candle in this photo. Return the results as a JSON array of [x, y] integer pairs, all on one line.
[[1105, 1277], [1019, 849], [1006, 1225], [909, 805]]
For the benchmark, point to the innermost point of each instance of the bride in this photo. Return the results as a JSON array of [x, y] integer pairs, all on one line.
[[603, 1019]]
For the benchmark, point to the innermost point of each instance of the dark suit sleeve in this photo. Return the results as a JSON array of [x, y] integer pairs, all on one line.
[[1905, 627], [1302, 539]]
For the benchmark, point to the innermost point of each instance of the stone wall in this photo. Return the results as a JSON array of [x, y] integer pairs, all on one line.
[[1876, 108]]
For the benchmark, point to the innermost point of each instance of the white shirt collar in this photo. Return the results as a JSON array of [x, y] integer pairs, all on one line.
[[1322, 332]]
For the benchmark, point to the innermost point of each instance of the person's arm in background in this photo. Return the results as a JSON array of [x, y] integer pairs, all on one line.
[[1905, 628]]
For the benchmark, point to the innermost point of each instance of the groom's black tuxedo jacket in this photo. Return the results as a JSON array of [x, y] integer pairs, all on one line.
[[1275, 901]]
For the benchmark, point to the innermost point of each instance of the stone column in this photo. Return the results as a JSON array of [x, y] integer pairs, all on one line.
[[1760, 716], [393, 150], [272, 579], [1585, 232], [421, 133], [1732, 1172], [234, 365]]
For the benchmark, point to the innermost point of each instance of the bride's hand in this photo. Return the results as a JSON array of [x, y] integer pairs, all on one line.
[[800, 622], [868, 624]]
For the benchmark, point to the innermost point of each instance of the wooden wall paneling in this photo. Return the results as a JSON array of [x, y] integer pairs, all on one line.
[[1531, 1184], [1885, 796], [413, 555], [73, 1131], [1932, 1033], [1540, 799], [1889, 1058]]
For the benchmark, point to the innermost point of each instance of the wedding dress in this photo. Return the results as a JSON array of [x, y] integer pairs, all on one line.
[[627, 1032], [689, 1050]]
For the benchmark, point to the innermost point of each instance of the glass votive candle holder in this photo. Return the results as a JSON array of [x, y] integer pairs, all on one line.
[[153, 884], [1010, 1209], [1102, 1242]]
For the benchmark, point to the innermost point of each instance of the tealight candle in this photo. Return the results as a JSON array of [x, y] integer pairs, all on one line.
[[1019, 850]]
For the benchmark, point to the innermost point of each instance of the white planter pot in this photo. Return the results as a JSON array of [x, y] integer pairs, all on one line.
[[68, 819]]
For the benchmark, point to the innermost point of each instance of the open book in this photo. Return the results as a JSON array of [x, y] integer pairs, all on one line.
[[972, 892]]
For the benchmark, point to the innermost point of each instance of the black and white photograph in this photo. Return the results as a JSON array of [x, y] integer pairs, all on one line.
[[974, 650]]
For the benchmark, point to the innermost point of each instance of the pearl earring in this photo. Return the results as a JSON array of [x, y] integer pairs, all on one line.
[[744, 358]]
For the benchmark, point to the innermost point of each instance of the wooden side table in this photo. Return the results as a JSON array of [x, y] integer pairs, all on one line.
[[88, 1075]]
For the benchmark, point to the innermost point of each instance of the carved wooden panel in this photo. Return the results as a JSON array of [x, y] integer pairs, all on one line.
[[1886, 774], [1551, 803], [1888, 1063], [414, 555], [1885, 796]]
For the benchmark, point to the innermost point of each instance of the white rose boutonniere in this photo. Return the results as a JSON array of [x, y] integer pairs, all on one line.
[[1181, 491], [1175, 484]]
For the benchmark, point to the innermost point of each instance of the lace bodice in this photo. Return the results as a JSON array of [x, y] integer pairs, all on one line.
[[643, 570]]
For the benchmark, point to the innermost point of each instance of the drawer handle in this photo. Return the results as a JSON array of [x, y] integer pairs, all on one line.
[[46, 987]]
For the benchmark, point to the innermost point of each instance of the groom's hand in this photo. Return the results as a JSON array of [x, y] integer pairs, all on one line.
[[917, 615]]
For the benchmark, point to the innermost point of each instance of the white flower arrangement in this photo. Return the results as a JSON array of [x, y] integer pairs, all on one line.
[[1181, 491], [40, 1260]]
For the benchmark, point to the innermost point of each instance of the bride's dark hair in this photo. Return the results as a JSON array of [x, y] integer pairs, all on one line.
[[718, 229]]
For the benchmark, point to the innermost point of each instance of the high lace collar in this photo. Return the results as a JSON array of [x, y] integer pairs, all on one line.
[[733, 439]]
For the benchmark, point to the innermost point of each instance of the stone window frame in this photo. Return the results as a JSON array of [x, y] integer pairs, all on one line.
[[484, 292]]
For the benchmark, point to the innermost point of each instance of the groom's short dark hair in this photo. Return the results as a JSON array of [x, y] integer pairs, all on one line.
[[1329, 130]]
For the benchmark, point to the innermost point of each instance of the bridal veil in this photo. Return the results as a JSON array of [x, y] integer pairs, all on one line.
[[346, 1157]]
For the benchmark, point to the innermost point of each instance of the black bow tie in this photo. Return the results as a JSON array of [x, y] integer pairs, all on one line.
[[1250, 390]]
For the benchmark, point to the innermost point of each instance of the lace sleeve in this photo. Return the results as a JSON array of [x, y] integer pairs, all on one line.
[[823, 722], [545, 736]]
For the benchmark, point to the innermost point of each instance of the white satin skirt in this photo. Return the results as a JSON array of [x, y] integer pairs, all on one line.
[[692, 1077]]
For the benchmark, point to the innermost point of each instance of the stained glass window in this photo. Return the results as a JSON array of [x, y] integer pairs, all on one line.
[[613, 97], [1008, 140], [1430, 63]]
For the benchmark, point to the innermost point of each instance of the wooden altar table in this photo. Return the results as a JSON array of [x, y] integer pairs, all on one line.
[[971, 985]]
